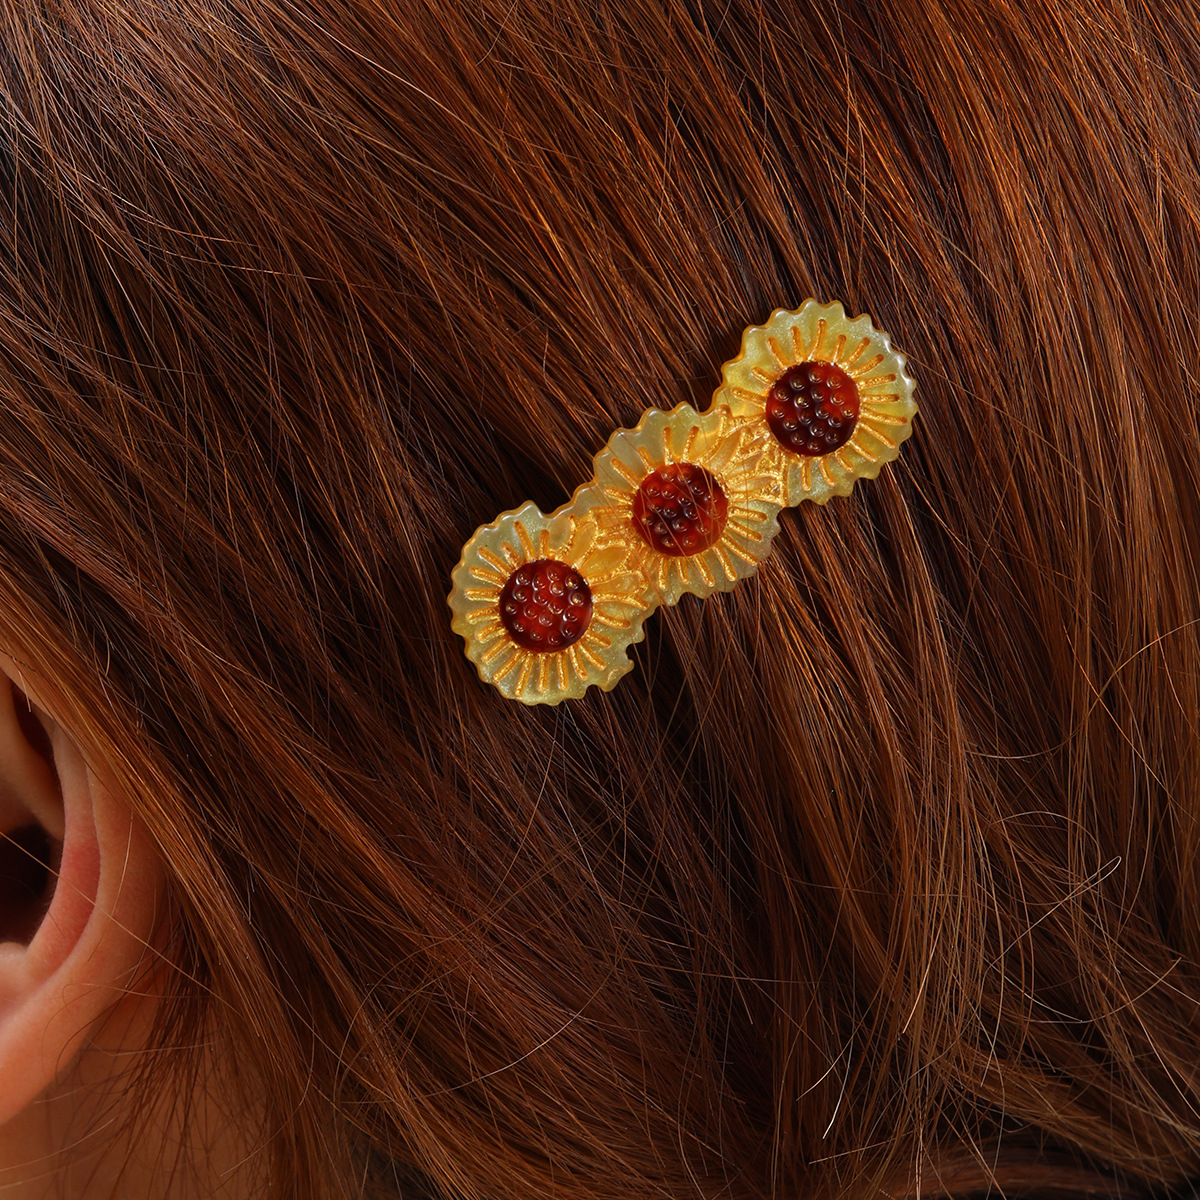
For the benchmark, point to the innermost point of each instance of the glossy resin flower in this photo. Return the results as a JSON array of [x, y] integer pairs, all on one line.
[[829, 393], [546, 610], [688, 495]]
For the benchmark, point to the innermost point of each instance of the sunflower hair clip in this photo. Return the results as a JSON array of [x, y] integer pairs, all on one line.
[[684, 502]]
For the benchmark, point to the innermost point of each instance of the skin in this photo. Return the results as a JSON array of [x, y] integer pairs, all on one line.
[[79, 987]]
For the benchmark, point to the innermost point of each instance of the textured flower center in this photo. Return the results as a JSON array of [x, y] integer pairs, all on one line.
[[680, 509], [546, 605], [812, 408]]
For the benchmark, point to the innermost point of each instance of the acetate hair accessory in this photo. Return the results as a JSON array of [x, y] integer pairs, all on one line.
[[684, 502]]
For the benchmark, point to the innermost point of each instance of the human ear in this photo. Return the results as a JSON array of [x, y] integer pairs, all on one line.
[[79, 892]]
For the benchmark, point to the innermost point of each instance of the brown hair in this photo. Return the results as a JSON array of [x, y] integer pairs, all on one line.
[[876, 874]]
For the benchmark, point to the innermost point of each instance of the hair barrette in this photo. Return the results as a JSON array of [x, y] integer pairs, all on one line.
[[549, 606]]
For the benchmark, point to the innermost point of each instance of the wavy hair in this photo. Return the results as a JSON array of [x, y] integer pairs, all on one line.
[[879, 874]]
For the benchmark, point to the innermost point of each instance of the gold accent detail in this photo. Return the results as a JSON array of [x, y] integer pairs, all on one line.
[[495, 650], [507, 666], [526, 541], [860, 449], [857, 352], [526, 671], [494, 561], [877, 434], [586, 653], [868, 366]]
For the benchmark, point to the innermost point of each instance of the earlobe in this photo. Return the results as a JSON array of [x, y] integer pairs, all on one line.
[[70, 955]]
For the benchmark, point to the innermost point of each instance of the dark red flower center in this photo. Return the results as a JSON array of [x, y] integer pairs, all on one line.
[[680, 509], [546, 605], [812, 408]]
